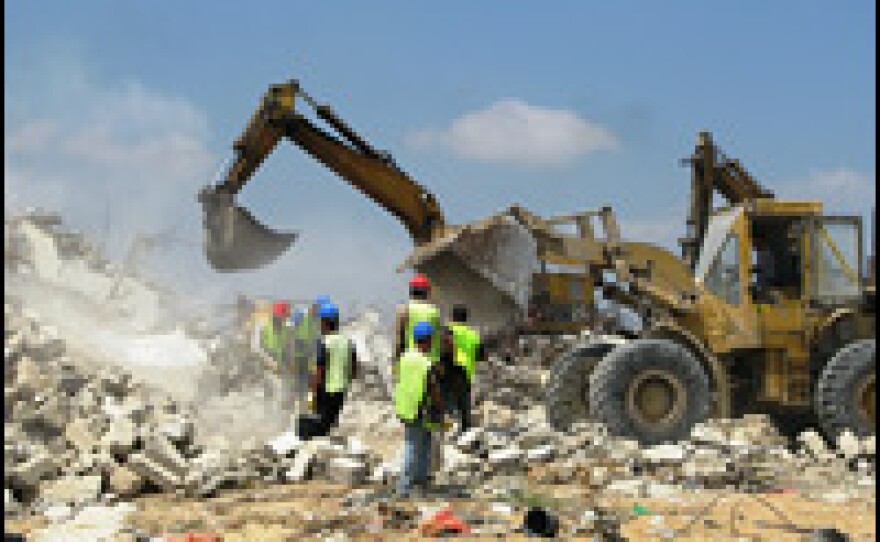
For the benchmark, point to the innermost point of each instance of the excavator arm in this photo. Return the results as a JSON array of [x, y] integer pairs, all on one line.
[[341, 150]]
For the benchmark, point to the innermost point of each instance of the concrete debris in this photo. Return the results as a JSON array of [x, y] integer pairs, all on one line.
[[70, 490]]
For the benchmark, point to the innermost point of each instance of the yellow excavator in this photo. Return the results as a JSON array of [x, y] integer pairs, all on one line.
[[766, 310]]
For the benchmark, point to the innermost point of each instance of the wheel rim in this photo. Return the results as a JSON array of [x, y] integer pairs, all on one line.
[[866, 397], [655, 399]]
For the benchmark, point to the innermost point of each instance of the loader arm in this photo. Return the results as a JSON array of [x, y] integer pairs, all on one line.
[[340, 149]]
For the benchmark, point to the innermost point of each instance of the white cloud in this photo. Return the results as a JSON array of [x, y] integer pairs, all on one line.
[[512, 131], [32, 136], [124, 158], [842, 189]]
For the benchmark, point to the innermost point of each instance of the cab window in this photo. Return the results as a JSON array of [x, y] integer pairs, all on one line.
[[722, 279]]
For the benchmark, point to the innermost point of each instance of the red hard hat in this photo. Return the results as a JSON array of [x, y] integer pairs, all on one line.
[[420, 281], [281, 308]]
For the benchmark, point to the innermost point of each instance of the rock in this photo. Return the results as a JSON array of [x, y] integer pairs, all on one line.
[[10, 504], [120, 436], [471, 439], [631, 487], [813, 443], [124, 481], [285, 444], [541, 454], [161, 451], [347, 471], [28, 475], [180, 431], [153, 471], [385, 473], [303, 465], [79, 434], [72, 490], [667, 454], [848, 445], [869, 445]]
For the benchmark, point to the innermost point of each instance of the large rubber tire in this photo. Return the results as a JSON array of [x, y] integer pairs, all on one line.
[[840, 384], [565, 398], [618, 375]]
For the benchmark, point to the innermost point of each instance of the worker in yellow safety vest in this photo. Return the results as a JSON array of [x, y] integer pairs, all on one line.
[[417, 309], [462, 350], [336, 366], [306, 332], [276, 346], [417, 399]]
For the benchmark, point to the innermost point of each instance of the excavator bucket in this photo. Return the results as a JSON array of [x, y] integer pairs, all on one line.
[[234, 239]]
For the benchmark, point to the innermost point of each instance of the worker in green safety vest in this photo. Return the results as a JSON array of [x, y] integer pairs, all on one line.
[[306, 331], [462, 350], [417, 309], [276, 347], [335, 367], [417, 400]]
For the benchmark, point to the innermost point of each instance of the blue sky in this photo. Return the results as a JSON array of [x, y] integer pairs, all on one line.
[[118, 111]]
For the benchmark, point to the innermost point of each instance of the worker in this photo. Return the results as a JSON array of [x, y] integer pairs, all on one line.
[[417, 400], [463, 350], [306, 334], [417, 309], [336, 366], [276, 346]]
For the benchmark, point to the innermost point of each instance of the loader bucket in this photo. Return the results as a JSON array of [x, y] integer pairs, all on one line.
[[486, 266], [234, 239]]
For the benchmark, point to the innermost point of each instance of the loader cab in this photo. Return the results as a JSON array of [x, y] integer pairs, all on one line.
[[772, 253]]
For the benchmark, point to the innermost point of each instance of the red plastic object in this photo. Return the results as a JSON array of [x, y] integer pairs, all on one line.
[[192, 537], [442, 522]]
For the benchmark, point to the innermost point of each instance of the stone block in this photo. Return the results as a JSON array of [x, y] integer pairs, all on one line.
[[303, 465], [124, 481], [71, 490], [285, 444], [29, 473], [120, 436], [153, 471], [161, 451], [347, 471]]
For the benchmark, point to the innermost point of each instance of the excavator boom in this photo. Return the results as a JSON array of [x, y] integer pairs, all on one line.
[[236, 241]]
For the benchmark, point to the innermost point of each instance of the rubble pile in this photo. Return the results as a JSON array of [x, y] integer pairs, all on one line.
[[72, 438]]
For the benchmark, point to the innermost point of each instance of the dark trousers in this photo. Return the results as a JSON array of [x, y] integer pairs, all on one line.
[[457, 394], [326, 415]]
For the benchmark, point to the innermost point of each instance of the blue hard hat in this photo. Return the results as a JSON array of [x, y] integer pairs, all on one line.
[[322, 300], [328, 310], [423, 330]]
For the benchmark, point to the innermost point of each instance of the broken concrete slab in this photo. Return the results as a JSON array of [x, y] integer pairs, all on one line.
[[70, 490], [153, 471]]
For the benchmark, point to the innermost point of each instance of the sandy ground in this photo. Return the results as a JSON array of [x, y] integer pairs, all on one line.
[[303, 511]]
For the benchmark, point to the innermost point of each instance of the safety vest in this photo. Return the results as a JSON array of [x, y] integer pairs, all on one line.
[[337, 371], [411, 384], [273, 341], [306, 328], [465, 342], [421, 311]]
